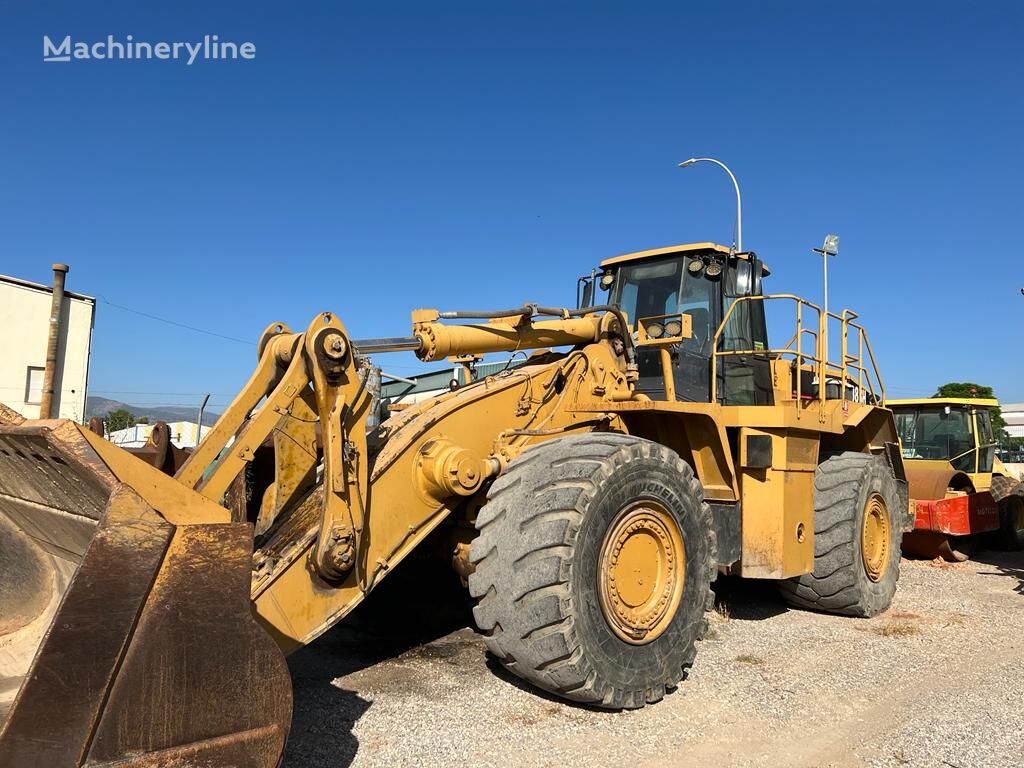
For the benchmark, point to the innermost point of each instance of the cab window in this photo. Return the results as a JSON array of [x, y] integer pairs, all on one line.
[[649, 289], [986, 441], [985, 428], [931, 433], [700, 296]]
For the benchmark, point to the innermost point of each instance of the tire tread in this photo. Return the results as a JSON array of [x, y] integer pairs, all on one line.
[[528, 524], [837, 584]]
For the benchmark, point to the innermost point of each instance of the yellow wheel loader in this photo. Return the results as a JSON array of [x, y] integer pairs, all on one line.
[[590, 497]]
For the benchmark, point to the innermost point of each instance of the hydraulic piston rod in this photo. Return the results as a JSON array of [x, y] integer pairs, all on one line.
[[392, 344]]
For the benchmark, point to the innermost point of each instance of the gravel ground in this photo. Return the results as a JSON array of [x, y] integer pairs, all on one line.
[[936, 681]]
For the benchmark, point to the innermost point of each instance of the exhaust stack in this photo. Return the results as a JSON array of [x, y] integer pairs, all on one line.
[[46, 408]]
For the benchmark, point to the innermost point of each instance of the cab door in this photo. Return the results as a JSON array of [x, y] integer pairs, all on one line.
[[744, 373]]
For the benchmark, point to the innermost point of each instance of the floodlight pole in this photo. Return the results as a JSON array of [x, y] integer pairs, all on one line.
[[829, 248], [738, 242], [824, 258]]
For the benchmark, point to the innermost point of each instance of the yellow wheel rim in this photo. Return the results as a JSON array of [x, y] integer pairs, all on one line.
[[641, 572], [875, 538]]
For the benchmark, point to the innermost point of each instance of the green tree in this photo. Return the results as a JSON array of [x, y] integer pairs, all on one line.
[[970, 389], [119, 419]]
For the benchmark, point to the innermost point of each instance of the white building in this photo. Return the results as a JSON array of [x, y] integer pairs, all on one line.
[[1013, 414], [24, 333], [183, 434]]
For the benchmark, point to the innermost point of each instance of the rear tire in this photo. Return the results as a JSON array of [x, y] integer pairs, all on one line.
[[542, 568], [1011, 523], [857, 538]]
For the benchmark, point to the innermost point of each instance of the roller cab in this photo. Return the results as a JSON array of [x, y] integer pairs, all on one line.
[[948, 448]]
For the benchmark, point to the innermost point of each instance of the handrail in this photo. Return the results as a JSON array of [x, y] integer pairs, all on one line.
[[849, 364]]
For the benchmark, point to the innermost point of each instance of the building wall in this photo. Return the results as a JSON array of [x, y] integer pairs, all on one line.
[[24, 328], [1013, 413]]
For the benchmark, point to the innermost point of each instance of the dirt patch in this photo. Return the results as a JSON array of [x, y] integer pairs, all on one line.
[[896, 629], [746, 658], [536, 716], [450, 651], [946, 565], [902, 615]]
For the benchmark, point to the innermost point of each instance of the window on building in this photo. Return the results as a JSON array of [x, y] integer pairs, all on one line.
[[34, 386]]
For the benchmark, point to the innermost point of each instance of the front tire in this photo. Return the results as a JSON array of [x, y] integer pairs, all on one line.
[[857, 538], [594, 561]]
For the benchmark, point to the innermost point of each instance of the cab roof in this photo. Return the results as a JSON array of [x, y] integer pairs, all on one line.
[[690, 248], [983, 402]]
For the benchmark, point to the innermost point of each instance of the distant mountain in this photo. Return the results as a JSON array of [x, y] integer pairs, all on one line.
[[101, 406]]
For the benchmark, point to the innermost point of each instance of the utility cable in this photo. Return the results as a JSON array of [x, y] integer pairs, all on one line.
[[105, 300]]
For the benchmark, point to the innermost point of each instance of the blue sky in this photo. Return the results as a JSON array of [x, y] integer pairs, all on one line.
[[378, 157]]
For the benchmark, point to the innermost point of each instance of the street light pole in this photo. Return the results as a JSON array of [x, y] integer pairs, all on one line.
[[199, 427], [738, 242]]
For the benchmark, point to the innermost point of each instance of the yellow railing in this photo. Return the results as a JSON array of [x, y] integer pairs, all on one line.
[[851, 369]]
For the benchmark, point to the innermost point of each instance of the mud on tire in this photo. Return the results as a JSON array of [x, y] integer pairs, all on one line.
[[840, 582], [537, 568]]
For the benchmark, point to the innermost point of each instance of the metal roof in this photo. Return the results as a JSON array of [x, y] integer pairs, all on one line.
[[983, 402], [684, 248]]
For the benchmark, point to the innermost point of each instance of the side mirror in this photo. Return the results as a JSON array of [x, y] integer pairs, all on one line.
[[588, 294], [586, 297]]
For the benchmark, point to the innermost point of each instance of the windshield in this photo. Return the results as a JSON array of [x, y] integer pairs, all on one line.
[[650, 289], [655, 288], [666, 286], [931, 433]]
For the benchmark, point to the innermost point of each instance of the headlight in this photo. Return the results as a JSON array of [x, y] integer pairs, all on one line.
[[673, 327], [655, 330]]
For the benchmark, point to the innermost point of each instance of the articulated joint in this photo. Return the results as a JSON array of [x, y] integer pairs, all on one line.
[[445, 469], [331, 349], [340, 553]]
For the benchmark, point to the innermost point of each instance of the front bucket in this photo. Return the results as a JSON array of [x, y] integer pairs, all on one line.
[[127, 627], [50, 504]]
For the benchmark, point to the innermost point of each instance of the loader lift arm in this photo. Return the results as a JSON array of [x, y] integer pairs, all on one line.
[[289, 363], [432, 459]]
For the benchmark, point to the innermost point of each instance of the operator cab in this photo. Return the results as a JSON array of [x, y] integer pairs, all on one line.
[[957, 430], [699, 280]]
